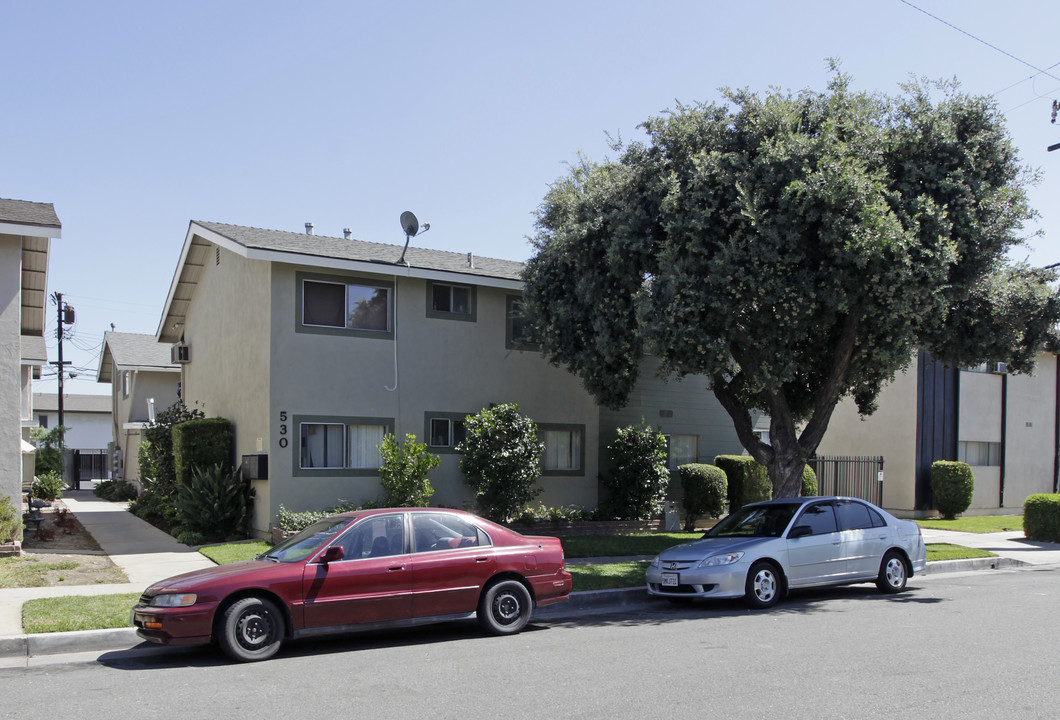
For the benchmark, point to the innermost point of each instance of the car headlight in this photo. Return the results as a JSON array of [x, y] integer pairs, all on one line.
[[655, 561], [173, 600], [723, 559]]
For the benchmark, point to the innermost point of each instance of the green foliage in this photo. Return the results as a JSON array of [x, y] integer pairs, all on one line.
[[158, 474], [403, 473], [49, 486], [212, 505], [49, 455], [201, 443], [797, 249], [10, 522], [952, 484], [809, 482], [500, 459], [1041, 517], [705, 489], [638, 479], [561, 514], [115, 490], [292, 521], [747, 480]]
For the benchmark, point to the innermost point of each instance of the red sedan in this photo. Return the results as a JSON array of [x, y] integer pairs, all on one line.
[[356, 571]]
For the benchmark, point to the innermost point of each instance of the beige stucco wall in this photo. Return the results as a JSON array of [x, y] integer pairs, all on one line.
[[227, 330], [890, 432], [1030, 437], [11, 375]]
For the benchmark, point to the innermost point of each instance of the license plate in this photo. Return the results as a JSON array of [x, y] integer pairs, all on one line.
[[669, 580]]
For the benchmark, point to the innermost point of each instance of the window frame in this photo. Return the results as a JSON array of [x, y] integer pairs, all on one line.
[[991, 449], [346, 421], [669, 449], [543, 429], [452, 417], [345, 280], [470, 316], [509, 329]]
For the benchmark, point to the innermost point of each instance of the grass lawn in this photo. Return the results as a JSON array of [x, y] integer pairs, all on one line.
[[608, 576], [77, 612], [945, 551], [234, 552], [976, 524], [21, 572]]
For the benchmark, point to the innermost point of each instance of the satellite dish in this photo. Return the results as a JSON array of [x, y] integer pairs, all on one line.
[[409, 223]]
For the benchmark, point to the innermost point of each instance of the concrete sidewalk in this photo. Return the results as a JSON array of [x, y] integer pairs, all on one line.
[[147, 555]]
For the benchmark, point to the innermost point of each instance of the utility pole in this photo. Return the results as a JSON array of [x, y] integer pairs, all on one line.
[[65, 316]]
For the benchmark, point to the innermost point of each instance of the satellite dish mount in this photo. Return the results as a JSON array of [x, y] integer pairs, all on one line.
[[412, 228]]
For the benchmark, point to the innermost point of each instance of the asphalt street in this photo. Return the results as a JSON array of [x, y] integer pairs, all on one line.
[[960, 645]]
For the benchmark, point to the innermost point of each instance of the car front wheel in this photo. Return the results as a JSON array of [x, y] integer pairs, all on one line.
[[505, 607], [893, 573], [251, 629], [764, 586]]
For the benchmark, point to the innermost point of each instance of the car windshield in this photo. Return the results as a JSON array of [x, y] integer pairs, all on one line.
[[755, 521], [307, 542]]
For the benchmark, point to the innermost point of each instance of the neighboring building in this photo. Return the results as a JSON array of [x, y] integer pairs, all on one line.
[[143, 380], [26, 229], [315, 347], [87, 419], [1005, 426]]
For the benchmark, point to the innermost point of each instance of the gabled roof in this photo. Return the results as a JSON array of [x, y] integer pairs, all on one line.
[[133, 351], [322, 252], [36, 223], [49, 402]]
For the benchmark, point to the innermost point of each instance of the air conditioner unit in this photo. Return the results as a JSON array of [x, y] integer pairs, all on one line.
[[1001, 368], [180, 353]]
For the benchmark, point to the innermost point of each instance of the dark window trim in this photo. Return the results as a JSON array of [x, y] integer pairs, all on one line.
[[449, 315], [432, 415], [568, 427], [509, 341], [299, 327], [296, 455]]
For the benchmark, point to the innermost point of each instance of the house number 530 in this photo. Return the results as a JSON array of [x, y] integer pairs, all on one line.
[[283, 428]]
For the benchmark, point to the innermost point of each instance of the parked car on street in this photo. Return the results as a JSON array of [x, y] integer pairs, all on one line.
[[360, 570], [764, 549]]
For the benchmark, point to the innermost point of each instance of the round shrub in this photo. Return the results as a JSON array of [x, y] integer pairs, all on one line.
[[809, 482], [952, 484], [1041, 517], [748, 481], [500, 459], [638, 478], [705, 489]]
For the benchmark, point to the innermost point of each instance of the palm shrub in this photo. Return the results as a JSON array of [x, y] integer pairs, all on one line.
[[1041, 517], [809, 482], [403, 473], [10, 522], [49, 485], [500, 458], [748, 480], [704, 489], [952, 484], [211, 505], [638, 478]]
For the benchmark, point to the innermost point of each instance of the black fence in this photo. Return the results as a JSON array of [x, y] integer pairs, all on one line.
[[860, 477], [89, 465]]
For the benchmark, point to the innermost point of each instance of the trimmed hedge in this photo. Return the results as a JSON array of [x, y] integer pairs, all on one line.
[[704, 490], [201, 443], [1041, 517], [952, 484], [748, 481], [809, 482]]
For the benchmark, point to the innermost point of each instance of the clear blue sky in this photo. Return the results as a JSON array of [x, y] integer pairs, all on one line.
[[134, 118]]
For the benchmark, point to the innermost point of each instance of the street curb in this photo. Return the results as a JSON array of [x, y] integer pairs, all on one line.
[[117, 639]]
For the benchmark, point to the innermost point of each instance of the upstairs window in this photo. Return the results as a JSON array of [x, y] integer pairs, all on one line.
[[355, 307], [520, 333], [450, 302]]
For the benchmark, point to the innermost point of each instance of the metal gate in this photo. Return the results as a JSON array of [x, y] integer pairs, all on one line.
[[860, 477], [89, 465]]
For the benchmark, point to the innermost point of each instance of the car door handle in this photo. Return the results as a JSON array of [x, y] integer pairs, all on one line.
[[396, 568], [481, 559]]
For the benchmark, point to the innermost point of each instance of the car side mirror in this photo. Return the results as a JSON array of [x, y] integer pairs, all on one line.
[[800, 531], [333, 554]]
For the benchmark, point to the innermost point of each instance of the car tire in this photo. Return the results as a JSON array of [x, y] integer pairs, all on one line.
[[505, 607], [251, 629], [764, 587], [893, 573]]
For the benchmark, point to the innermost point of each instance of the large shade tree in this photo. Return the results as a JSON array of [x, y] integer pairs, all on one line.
[[796, 249]]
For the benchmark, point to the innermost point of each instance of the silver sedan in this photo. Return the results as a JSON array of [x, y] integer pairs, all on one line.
[[763, 549]]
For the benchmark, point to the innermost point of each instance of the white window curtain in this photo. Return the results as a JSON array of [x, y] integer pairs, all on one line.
[[562, 450], [364, 441], [684, 449], [322, 445]]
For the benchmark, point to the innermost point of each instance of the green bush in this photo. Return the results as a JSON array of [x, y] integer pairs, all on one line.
[[201, 443], [10, 522], [1041, 517], [155, 454], [403, 473], [49, 455], [560, 514], [290, 521], [500, 459], [952, 484], [49, 486], [115, 490], [704, 488], [638, 479], [809, 482], [212, 505], [748, 481]]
